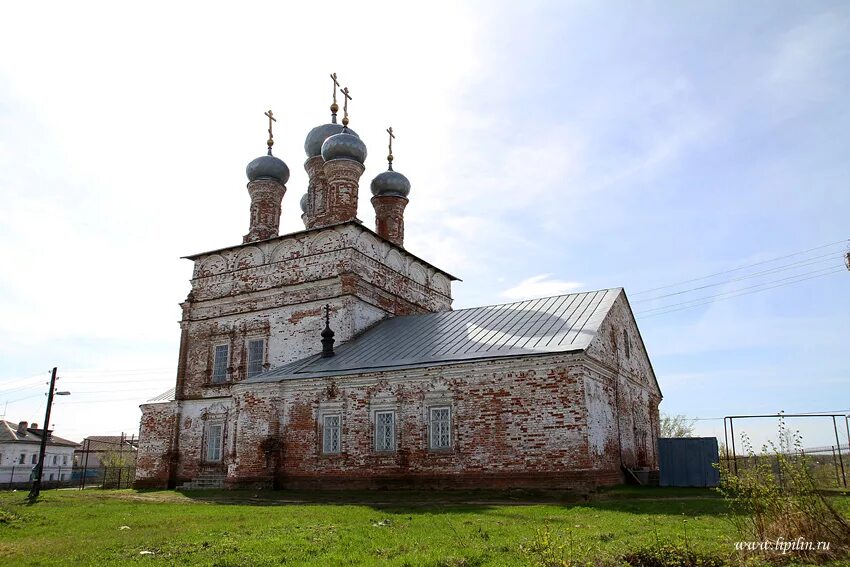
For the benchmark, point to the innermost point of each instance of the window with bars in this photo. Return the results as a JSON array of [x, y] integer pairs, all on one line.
[[441, 428], [331, 434], [256, 350], [215, 433], [221, 356], [385, 431]]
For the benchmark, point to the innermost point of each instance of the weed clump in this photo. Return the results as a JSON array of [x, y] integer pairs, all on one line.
[[777, 509], [670, 555]]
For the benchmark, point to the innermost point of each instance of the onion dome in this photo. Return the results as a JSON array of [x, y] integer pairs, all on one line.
[[303, 203], [267, 167], [345, 145], [390, 184], [318, 135]]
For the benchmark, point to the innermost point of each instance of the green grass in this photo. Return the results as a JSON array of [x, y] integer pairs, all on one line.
[[69, 527]]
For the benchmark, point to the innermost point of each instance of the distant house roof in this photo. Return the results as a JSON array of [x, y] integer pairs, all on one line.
[[96, 443], [9, 434], [563, 323]]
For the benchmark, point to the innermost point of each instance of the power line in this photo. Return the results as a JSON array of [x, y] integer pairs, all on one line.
[[70, 382], [104, 401], [741, 267], [30, 379], [733, 291], [22, 399], [719, 297], [122, 390], [73, 382], [115, 372], [785, 268]]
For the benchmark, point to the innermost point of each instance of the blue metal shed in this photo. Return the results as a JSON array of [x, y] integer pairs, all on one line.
[[688, 461]]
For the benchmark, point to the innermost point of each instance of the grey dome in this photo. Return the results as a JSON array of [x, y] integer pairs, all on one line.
[[390, 184], [267, 167], [318, 135], [345, 145], [303, 203]]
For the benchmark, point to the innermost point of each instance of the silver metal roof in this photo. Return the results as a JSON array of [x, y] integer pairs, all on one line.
[[563, 323], [166, 396]]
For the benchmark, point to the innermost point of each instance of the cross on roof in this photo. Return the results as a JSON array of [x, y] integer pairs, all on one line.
[[347, 96], [270, 141], [390, 155], [336, 84]]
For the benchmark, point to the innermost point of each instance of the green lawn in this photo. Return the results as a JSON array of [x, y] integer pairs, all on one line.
[[103, 527]]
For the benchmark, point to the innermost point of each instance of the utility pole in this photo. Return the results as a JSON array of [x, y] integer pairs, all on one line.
[[36, 483]]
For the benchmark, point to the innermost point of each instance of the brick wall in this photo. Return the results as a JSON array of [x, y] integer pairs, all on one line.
[[518, 422]]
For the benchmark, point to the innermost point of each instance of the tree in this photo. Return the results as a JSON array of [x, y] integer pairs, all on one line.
[[676, 426], [117, 468]]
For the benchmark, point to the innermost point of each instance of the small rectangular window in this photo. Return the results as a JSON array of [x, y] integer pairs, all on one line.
[[220, 360], [62, 476], [22, 459], [34, 459], [64, 459], [385, 431], [441, 428], [55, 459], [256, 350], [51, 476], [331, 434], [214, 438]]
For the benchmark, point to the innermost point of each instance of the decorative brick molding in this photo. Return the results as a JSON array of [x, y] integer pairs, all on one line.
[[266, 197], [389, 217]]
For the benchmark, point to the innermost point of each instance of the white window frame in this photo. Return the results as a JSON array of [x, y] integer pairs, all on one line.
[[64, 459], [249, 371], [215, 377], [435, 427], [214, 453], [328, 447], [381, 445]]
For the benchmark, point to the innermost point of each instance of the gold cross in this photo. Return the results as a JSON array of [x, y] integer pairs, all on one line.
[[345, 106], [270, 142], [392, 137]]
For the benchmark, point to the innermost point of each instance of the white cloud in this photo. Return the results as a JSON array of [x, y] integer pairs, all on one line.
[[539, 286]]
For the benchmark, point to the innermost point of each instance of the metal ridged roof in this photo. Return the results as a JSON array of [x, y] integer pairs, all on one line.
[[166, 396], [561, 323]]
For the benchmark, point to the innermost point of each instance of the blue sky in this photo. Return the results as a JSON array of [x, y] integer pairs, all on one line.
[[551, 147]]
